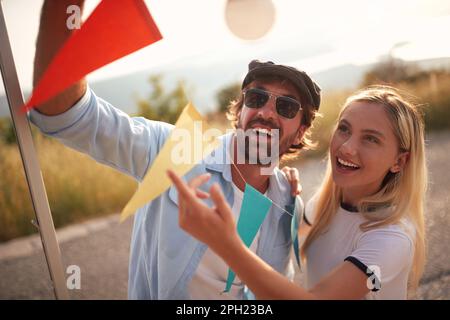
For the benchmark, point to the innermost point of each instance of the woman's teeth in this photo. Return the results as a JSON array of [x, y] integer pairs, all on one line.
[[347, 164]]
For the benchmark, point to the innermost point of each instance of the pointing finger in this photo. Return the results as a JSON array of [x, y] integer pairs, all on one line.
[[182, 187], [199, 180]]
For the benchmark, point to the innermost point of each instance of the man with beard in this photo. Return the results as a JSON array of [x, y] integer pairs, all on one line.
[[277, 103]]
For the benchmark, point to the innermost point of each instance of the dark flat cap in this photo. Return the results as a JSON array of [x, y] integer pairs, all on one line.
[[308, 89]]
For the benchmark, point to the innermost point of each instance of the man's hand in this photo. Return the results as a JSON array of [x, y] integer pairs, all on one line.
[[294, 180], [53, 32]]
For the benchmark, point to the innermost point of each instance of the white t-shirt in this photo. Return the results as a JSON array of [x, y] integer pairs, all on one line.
[[387, 252], [210, 278]]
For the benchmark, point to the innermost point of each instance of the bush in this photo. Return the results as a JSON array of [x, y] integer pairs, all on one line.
[[77, 187], [162, 105], [431, 92], [7, 134]]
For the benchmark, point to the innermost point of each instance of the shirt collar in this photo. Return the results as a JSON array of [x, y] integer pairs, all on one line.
[[218, 161]]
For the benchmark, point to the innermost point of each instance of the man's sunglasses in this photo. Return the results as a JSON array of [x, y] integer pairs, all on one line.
[[257, 98]]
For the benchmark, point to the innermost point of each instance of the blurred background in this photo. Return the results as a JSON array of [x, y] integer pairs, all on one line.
[[203, 57]]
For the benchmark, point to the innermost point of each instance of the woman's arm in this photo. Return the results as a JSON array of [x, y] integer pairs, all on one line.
[[344, 282], [217, 228]]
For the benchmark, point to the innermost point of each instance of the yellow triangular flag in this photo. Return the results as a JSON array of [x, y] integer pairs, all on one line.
[[190, 127]]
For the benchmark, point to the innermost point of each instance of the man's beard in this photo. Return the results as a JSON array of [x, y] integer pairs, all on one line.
[[262, 150]]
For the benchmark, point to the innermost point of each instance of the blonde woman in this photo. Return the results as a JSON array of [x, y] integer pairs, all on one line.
[[367, 234]]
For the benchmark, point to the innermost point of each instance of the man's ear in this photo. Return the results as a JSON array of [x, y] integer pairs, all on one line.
[[300, 134], [402, 160]]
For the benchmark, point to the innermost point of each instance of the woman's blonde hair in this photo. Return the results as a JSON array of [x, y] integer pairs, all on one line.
[[403, 191]]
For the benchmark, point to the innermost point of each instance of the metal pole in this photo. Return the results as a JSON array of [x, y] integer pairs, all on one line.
[[31, 164]]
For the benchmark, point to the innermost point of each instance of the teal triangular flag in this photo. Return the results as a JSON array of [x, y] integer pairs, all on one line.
[[253, 212], [296, 209]]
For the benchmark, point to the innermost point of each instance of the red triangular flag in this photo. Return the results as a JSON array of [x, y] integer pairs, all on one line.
[[113, 30]]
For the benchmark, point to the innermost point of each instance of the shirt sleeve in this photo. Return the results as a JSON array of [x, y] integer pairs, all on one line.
[[382, 254], [109, 135]]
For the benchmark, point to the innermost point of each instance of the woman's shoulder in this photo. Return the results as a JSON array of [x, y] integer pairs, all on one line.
[[396, 236], [310, 206]]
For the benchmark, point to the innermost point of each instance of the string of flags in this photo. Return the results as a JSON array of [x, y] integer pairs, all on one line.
[[114, 30]]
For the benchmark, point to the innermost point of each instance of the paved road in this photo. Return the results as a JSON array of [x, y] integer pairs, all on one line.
[[101, 247]]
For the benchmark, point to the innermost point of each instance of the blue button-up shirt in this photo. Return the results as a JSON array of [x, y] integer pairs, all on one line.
[[163, 257]]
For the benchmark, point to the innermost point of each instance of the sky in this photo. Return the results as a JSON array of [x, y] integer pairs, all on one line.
[[315, 35]]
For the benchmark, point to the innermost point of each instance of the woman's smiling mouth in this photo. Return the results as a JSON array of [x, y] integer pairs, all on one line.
[[345, 166]]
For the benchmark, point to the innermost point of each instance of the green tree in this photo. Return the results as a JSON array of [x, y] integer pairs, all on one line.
[[162, 105], [227, 94]]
